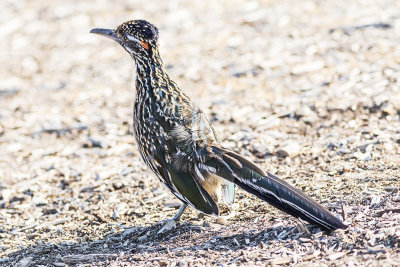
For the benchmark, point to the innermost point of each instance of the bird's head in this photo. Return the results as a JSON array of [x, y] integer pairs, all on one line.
[[138, 37]]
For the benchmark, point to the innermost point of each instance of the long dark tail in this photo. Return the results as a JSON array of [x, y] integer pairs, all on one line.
[[273, 190]]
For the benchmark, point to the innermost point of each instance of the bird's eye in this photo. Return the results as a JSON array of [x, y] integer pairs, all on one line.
[[132, 38]]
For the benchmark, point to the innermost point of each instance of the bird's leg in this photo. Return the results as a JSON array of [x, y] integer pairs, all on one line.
[[170, 224], [179, 213]]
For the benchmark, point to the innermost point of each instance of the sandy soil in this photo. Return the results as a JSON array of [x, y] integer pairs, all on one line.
[[307, 89]]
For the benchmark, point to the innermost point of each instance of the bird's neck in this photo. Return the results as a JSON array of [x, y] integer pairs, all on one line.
[[153, 86], [150, 75]]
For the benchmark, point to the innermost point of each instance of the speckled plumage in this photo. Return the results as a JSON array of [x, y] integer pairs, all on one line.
[[178, 143]]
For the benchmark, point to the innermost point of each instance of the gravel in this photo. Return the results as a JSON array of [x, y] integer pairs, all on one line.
[[309, 90]]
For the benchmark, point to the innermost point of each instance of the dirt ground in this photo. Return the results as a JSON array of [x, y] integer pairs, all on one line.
[[310, 90]]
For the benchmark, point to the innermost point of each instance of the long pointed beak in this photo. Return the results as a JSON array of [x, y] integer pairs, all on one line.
[[106, 33]]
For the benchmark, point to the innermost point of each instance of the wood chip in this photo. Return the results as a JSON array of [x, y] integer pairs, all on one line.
[[80, 258]]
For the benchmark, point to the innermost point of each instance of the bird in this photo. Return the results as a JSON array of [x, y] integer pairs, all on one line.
[[178, 143]]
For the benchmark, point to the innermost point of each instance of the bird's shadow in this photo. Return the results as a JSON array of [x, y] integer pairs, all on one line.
[[137, 241]]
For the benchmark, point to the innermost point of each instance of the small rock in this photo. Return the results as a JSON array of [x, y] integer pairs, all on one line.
[[163, 262], [142, 238], [281, 154], [283, 234], [304, 240], [266, 235], [32, 236], [206, 224], [25, 262], [318, 235], [308, 67], [343, 150], [260, 151], [375, 200], [118, 185], [127, 171], [29, 67], [336, 256], [281, 261], [50, 211], [90, 143], [128, 232], [363, 156]]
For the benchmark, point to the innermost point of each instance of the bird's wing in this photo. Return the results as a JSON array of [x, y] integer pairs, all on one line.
[[183, 184], [190, 141]]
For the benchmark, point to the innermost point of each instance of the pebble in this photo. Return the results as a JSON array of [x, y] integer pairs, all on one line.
[[206, 224], [307, 67], [336, 256], [25, 262], [281, 153]]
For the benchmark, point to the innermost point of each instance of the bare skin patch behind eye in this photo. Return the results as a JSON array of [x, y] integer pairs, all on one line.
[[144, 44]]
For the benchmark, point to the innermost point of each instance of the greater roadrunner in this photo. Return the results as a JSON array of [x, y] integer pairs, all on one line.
[[178, 143]]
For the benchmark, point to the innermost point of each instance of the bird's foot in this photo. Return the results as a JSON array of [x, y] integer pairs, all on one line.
[[170, 224], [230, 215], [229, 210]]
